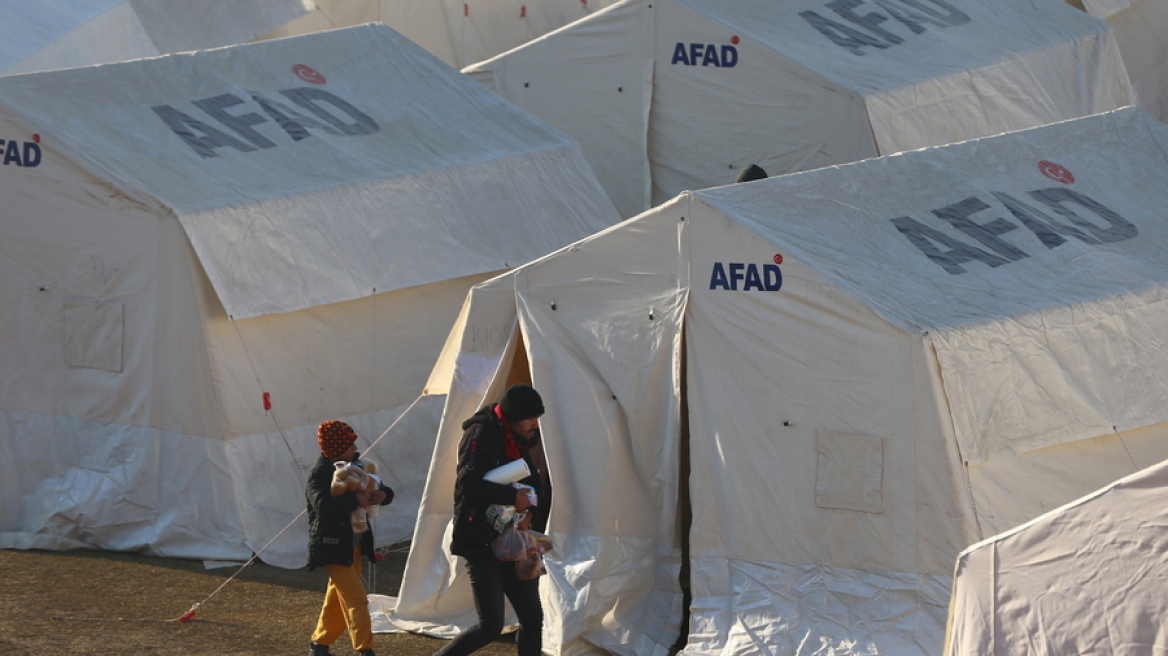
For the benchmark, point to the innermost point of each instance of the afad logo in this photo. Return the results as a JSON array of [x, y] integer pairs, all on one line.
[[747, 276], [250, 121], [998, 228], [854, 26], [22, 153], [706, 54]]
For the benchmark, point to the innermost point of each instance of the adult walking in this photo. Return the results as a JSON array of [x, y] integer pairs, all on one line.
[[496, 435]]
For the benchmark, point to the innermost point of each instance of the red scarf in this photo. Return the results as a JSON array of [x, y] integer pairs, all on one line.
[[508, 439]]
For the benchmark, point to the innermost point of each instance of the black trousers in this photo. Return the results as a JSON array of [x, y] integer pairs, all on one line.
[[491, 579]]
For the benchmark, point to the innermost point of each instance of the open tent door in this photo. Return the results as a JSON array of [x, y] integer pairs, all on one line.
[[608, 370], [475, 367], [520, 373]]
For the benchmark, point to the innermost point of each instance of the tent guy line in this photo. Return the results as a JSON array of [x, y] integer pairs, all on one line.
[[267, 400], [190, 614], [193, 610], [1135, 467]]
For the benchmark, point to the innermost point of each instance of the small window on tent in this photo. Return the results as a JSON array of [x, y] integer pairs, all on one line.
[[849, 472], [93, 334]]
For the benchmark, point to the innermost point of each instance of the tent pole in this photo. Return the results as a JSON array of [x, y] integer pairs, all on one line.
[[684, 505]]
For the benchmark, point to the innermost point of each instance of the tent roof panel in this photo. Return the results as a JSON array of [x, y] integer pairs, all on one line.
[[36, 36], [804, 84], [871, 48], [340, 244], [955, 235], [260, 121]]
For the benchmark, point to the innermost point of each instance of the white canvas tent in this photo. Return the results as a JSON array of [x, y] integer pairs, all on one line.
[[458, 33], [1087, 578], [296, 221], [846, 375], [1141, 29], [669, 95], [51, 34]]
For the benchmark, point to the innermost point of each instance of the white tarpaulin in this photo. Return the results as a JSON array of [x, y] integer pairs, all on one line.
[[294, 222], [668, 95], [459, 32], [51, 34], [1087, 578], [1141, 29], [842, 378]]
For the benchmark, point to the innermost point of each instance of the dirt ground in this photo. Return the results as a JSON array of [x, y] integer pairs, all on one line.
[[91, 602]]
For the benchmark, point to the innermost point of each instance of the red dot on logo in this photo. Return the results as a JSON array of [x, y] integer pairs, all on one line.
[[308, 74], [778, 258], [1056, 172], [734, 40], [36, 138]]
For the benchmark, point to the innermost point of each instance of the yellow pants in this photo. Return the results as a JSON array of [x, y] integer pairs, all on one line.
[[345, 606]]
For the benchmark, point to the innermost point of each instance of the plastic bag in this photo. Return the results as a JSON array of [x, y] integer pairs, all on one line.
[[530, 565], [511, 544], [541, 542]]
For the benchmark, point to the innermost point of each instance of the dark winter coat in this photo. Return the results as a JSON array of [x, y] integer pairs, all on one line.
[[482, 449], [330, 533]]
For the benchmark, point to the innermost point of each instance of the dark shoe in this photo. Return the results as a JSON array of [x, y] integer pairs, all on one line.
[[318, 650], [367, 652]]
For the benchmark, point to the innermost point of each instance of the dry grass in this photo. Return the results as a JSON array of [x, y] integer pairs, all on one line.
[[88, 602]]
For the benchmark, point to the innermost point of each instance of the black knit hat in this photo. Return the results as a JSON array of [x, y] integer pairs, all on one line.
[[521, 402]]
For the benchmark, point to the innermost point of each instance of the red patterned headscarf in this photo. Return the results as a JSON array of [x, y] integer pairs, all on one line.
[[335, 437]]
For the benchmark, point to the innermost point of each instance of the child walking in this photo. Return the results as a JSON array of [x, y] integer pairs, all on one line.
[[333, 544]]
